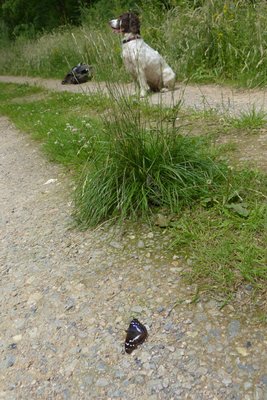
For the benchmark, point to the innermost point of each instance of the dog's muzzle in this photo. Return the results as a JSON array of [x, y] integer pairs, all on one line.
[[114, 23]]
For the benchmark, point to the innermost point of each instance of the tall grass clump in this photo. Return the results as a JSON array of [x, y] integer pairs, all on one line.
[[219, 40], [137, 168]]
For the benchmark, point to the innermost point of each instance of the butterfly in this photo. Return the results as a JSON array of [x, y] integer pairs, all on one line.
[[136, 334]]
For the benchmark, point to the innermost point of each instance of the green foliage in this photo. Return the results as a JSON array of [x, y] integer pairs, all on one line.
[[137, 168], [221, 40], [251, 119], [59, 121], [226, 237], [53, 54], [26, 17]]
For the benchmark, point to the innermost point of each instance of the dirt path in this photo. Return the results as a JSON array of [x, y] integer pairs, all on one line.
[[222, 99], [67, 297]]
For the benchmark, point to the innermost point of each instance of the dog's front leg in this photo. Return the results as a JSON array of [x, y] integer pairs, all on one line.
[[141, 78], [136, 88]]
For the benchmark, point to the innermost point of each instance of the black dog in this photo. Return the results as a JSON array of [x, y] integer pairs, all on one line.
[[81, 73]]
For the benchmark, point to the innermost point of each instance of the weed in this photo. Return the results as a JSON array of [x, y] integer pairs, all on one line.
[[252, 119]]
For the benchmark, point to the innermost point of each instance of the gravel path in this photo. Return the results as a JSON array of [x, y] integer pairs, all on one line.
[[201, 97], [67, 297]]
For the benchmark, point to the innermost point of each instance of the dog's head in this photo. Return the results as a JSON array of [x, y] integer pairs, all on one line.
[[126, 23]]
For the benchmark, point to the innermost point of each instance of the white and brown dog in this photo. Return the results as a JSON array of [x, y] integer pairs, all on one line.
[[149, 70]]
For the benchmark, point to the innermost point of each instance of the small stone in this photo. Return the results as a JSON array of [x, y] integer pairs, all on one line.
[[12, 346], [247, 385], [192, 334], [116, 245], [114, 394], [227, 381], [34, 298], [10, 361], [154, 385], [165, 383], [162, 221], [19, 323], [242, 351], [234, 328], [139, 379], [119, 374], [69, 304], [33, 332], [17, 338], [161, 370], [145, 356], [140, 244], [137, 309], [102, 382], [201, 371], [52, 180], [101, 366], [147, 267]]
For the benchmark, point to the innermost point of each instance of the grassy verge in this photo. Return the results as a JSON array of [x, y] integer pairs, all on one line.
[[225, 238], [133, 159]]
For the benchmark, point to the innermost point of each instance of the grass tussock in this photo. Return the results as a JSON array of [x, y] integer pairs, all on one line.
[[137, 169]]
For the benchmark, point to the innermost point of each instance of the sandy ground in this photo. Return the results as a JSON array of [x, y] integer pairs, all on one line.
[[200, 97]]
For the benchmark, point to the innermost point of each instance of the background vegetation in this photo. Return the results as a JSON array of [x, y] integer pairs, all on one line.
[[204, 40]]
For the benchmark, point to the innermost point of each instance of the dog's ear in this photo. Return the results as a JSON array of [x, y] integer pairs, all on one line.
[[130, 23], [134, 23]]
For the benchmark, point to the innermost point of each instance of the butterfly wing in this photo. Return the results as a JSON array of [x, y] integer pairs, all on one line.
[[136, 335]]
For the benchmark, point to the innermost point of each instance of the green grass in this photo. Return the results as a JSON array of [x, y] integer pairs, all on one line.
[[251, 119], [137, 169], [13, 91], [54, 54], [60, 121], [132, 159], [226, 238]]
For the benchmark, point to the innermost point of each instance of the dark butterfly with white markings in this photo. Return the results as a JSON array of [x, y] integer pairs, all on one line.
[[136, 335]]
